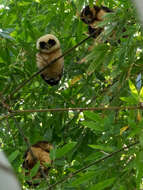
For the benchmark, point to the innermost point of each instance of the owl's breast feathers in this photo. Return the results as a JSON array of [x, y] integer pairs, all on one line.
[[53, 73]]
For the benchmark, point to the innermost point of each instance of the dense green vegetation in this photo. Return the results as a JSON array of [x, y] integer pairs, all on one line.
[[106, 78]]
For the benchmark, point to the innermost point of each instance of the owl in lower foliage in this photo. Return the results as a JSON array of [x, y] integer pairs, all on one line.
[[49, 50], [41, 151]]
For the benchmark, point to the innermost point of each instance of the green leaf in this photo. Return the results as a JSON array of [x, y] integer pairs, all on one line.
[[94, 156], [92, 125], [91, 115], [139, 165], [13, 156], [102, 147], [141, 94], [96, 58], [60, 152], [141, 137], [53, 153], [131, 100], [133, 88], [35, 169], [103, 184], [91, 3], [83, 179]]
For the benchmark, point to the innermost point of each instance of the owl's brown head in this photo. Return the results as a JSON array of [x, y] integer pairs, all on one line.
[[48, 43], [90, 15]]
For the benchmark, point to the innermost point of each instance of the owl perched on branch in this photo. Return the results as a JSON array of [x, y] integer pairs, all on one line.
[[92, 16], [49, 50]]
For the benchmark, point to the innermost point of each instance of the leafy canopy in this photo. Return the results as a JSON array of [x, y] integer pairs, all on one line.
[[105, 76]]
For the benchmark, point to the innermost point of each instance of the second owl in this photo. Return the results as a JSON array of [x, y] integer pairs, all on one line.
[[49, 50]]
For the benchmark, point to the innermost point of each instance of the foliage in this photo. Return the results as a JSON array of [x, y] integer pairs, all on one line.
[[107, 77]]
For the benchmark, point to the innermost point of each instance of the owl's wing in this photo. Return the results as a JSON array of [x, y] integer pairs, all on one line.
[[41, 60]]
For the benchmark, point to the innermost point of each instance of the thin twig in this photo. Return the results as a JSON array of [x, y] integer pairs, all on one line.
[[6, 116], [91, 164], [40, 71], [5, 105], [78, 109], [17, 112]]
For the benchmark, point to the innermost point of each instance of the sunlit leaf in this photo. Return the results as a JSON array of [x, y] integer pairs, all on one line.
[[141, 94], [139, 116], [123, 129], [133, 88], [75, 79]]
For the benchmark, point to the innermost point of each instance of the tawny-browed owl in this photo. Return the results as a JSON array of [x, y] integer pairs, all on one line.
[[49, 50], [92, 16], [41, 152]]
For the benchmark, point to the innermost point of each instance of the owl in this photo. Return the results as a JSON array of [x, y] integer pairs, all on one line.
[[49, 50], [92, 16], [41, 151]]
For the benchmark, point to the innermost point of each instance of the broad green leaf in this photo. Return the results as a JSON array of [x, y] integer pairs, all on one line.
[[91, 115], [53, 153], [35, 169], [60, 152], [141, 94], [103, 184], [130, 99], [92, 125], [102, 147], [94, 156], [13, 156], [133, 88]]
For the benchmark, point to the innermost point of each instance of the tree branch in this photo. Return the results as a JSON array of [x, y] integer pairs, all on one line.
[[2, 101], [91, 164], [78, 109], [112, 108]]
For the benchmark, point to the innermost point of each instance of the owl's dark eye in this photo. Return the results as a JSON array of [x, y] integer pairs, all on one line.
[[87, 11], [42, 45], [51, 42], [83, 19]]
